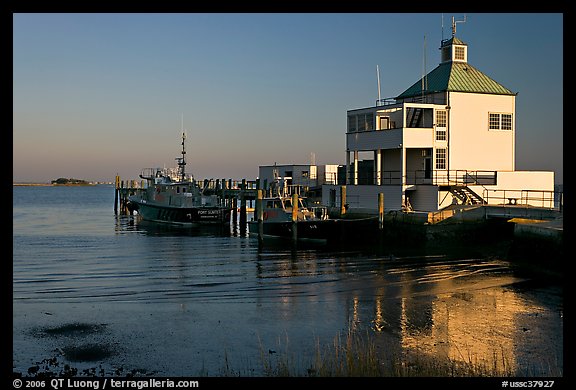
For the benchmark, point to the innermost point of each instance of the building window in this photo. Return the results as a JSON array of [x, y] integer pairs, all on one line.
[[384, 122], [459, 53], [494, 121], [440, 134], [361, 122], [497, 121], [352, 124], [441, 125], [441, 118], [506, 122], [441, 158], [370, 121]]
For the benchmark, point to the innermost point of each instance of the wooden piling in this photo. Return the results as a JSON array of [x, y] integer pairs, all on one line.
[[235, 210], [342, 200], [243, 203], [381, 211], [294, 217], [116, 189], [122, 211], [260, 215]]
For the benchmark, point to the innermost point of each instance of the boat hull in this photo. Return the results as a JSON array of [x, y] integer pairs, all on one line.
[[328, 230], [185, 216], [305, 230]]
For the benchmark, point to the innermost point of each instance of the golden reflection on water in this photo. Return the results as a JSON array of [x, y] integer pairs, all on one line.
[[465, 312], [478, 327], [475, 328]]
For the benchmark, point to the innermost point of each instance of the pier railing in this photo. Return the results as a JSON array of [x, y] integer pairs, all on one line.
[[526, 198], [432, 177], [458, 177]]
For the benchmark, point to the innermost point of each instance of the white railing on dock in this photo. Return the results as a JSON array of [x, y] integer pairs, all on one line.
[[527, 198]]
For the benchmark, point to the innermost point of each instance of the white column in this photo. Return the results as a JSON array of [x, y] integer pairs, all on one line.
[[355, 167], [378, 163], [347, 170], [403, 160], [403, 174]]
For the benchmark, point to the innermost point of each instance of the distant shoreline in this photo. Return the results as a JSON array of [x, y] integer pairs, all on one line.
[[51, 185], [32, 184]]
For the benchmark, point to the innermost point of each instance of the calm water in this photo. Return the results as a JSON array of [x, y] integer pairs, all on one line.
[[179, 303]]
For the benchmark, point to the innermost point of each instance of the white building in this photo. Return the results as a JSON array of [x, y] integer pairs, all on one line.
[[449, 138], [307, 175]]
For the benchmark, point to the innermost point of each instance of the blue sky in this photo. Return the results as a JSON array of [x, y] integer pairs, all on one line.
[[99, 94]]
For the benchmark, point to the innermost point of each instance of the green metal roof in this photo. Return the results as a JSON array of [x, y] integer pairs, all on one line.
[[456, 77]]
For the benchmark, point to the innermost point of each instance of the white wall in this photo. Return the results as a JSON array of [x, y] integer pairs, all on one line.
[[266, 172], [471, 145], [534, 188], [418, 138]]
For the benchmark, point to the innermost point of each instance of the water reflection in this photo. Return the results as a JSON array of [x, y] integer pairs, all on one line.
[[467, 311], [420, 307], [135, 224]]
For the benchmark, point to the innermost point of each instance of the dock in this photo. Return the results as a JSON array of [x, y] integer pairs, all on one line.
[[239, 195], [541, 226]]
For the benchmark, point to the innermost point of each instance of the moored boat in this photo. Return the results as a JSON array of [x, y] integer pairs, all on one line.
[[312, 223], [173, 197]]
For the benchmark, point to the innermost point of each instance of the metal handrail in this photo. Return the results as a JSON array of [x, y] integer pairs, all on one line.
[[526, 198], [433, 177]]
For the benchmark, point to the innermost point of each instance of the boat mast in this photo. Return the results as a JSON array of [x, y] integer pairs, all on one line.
[[182, 160]]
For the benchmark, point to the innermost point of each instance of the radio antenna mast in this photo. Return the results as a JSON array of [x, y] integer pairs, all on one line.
[[454, 24], [424, 75], [182, 160], [378, 76], [442, 26]]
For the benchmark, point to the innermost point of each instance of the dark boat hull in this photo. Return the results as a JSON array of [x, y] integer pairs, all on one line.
[[329, 230], [186, 216], [305, 230]]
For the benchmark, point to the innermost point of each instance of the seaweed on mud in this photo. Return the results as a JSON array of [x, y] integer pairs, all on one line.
[[75, 329]]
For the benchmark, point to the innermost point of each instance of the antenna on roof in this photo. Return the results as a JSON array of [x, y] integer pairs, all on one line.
[[454, 24], [424, 75], [442, 26], [378, 76]]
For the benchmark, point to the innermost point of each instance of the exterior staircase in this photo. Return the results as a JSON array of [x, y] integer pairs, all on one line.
[[466, 195], [415, 117]]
